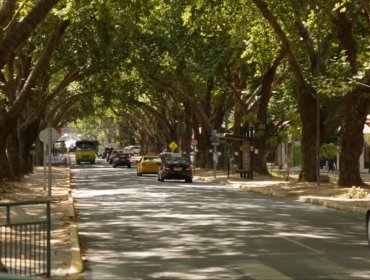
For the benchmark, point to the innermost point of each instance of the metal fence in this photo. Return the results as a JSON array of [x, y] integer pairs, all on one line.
[[25, 237]]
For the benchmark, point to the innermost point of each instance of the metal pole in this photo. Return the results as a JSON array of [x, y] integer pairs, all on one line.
[[215, 159], [318, 138], [44, 148], [49, 156], [195, 158], [48, 239]]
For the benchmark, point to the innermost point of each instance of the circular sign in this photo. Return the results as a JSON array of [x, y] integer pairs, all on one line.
[[45, 135], [194, 142]]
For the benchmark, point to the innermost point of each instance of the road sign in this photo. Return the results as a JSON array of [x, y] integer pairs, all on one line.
[[49, 135], [173, 145], [45, 135]]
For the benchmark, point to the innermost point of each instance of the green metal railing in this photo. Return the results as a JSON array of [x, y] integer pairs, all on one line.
[[25, 237]]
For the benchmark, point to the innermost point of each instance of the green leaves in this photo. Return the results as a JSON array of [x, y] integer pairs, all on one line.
[[329, 150]]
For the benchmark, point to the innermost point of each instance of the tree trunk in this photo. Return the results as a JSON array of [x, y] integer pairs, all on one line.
[[28, 137], [308, 111], [39, 153], [352, 143], [237, 130], [260, 159], [7, 9], [4, 162], [306, 100], [186, 139], [205, 158], [13, 155], [20, 31]]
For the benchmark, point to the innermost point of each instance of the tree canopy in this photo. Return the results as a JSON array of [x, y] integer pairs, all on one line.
[[156, 71]]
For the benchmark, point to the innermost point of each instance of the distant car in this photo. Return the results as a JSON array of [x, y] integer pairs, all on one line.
[[132, 150], [148, 164], [175, 168], [114, 154], [121, 160]]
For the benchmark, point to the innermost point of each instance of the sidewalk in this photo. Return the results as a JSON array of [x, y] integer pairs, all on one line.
[[326, 194], [65, 250]]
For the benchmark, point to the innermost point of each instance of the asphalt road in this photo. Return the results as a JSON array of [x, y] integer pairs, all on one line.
[[138, 228]]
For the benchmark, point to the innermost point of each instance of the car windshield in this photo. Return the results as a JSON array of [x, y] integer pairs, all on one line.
[[154, 159], [85, 145]]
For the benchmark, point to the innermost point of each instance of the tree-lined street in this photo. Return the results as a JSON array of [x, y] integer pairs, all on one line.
[[138, 228], [244, 86], [149, 73]]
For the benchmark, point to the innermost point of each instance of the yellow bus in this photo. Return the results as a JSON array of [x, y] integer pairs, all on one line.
[[85, 151]]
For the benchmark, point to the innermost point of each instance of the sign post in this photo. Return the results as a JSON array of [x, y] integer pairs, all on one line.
[[48, 136], [215, 140], [194, 143], [215, 158]]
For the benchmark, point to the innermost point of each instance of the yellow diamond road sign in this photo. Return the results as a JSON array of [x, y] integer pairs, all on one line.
[[172, 145]]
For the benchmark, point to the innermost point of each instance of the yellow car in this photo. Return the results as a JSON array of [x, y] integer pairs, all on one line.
[[148, 164]]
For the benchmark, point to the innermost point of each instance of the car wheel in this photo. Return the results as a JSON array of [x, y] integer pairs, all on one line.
[[114, 166], [129, 166], [368, 227], [188, 180]]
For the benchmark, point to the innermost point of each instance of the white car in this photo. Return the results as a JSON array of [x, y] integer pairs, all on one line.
[[135, 149]]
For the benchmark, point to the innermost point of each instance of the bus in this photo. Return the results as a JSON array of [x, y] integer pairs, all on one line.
[[85, 151]]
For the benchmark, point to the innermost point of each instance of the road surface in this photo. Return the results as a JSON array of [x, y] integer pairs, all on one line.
[[135, 227]]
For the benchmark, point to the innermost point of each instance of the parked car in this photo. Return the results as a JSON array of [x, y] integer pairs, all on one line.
[[121, 160], [175, 168], [132, 150], [148, 164], [113, 155]]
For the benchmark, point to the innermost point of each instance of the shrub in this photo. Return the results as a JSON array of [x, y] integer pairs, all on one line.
[[356, 193]]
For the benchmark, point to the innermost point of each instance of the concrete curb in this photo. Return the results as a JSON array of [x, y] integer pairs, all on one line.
[[76, 256], [348, 205], [354, 206]]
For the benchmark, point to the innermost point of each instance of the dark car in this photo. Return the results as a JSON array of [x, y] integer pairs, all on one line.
[[175, 168], [112, 155], [121, 160]]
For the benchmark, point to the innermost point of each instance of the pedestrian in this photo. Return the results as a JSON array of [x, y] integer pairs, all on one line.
[[331, 165]]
